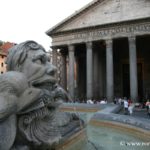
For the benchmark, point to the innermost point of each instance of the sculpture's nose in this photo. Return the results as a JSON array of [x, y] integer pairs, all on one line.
[[51, 70]]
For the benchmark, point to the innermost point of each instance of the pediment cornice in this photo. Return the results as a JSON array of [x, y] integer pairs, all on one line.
[[73, 16], [116, 24], [103, 13], [103, 32]]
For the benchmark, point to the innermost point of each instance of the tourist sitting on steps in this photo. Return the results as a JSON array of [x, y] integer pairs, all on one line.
[[90, 101]]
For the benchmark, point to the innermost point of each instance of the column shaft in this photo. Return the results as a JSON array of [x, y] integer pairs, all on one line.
[[71, 71], [133, 69], [89, 71], [109, 71], [54, 57], [64, 72]]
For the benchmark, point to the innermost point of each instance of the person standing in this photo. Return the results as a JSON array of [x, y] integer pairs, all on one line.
[[147, 104], [148, 107], [125, 106]]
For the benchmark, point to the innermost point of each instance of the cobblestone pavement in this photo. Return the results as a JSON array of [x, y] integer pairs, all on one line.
[[138, 112], [141, 113]]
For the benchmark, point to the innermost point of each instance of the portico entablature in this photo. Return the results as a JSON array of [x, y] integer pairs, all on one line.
[[104, 32]]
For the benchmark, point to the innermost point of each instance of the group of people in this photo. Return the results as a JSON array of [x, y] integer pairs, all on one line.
[[128, 107], [126, 103], [102, 101]]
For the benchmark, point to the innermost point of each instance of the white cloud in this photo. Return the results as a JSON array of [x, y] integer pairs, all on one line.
[[23, 20]]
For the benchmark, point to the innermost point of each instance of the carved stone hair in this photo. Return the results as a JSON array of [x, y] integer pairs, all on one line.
[[18, 53]]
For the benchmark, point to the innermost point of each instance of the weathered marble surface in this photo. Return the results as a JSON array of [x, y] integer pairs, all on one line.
[[29, 102]]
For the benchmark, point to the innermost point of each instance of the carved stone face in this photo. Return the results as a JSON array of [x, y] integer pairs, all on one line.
[[31, 59], [38, 69]]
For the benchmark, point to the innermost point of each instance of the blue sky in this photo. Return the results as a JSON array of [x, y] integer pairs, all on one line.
[[23, 20]]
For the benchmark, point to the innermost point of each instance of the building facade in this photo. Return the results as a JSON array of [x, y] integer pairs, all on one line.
[[4, 46], [107, 45], [2, 62]]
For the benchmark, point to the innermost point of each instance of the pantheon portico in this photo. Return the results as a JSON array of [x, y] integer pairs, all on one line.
[[105, 50]]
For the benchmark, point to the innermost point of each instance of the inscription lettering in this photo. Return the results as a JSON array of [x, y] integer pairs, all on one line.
[[102, 33], [113, 31]]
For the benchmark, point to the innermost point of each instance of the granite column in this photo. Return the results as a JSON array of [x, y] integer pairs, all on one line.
[[89, 70], [133, 69], [71, 83], [64, 71], [109, 70]]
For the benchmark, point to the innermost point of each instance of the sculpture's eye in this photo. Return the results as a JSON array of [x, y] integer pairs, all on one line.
[[38, 61]]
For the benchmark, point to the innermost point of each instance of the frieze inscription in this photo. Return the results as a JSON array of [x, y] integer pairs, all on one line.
[[113, 31], [102, 33]]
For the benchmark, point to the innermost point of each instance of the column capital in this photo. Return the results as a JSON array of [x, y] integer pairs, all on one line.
[[70, 47], [131, 38], [89, 45], [109, 41], [54, 51]]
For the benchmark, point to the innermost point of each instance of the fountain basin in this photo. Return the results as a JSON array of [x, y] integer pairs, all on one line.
[[74, 142], [107, 130]]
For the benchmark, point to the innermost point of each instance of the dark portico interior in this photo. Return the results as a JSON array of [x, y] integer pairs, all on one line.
[[121, 69]]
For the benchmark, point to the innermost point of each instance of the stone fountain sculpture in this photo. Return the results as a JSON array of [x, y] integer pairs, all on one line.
[[29, 102]]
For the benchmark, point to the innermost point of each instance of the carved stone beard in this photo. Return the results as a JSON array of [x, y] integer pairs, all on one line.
[[38, 126], [44, 128]]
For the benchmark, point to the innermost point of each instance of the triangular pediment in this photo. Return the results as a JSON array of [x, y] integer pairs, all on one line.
[[101, 12]]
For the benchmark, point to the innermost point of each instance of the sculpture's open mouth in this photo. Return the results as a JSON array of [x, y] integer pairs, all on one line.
[[47, 79], [47, 83], [47, 96]]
